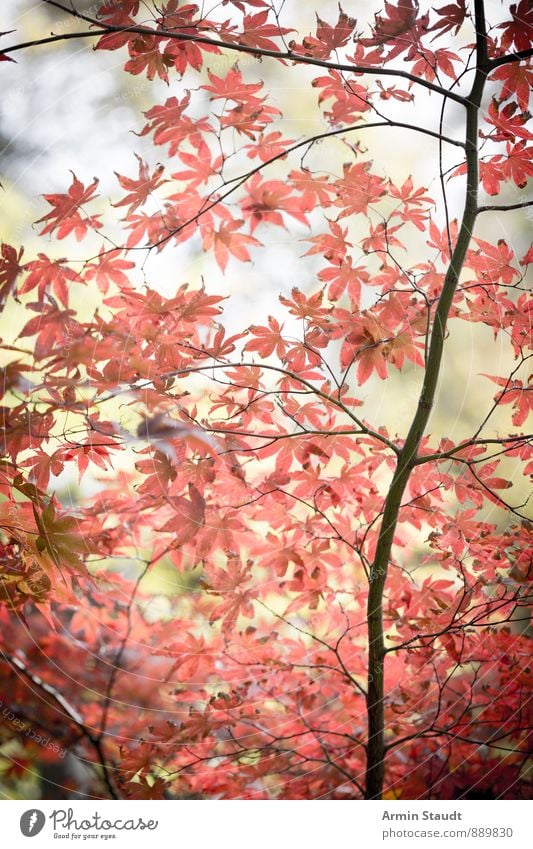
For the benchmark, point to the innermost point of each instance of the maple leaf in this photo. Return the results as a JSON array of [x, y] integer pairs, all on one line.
[[58, 538], [225, 241], [452, 17], [265, 201], [118, 15], [314, 189], [269, 146], [158, 472], [514, 392], [200, 164], [52, 327], [517, 164], [491, 174], [95, 449], [228, 582], [402, 26], [182, 18], [249, 118], [109, 268], [65, 217], [517, 80], [256, 32], [284, 555], [381, 238], [49, 276], [268, 339], [369, 346], [358, 189], [192, 654], [333, 245], [157, 789], [518, 32], [430, 63], [408, 195], [10, 268], [140, 189], [507, 122], [146, 56], [171, 126], [43, 465], [345, 277], [492, 263], [328, 38], [189, 516], [233, 87], [306, 307], [528, 256], [351, 99], [439, 239]]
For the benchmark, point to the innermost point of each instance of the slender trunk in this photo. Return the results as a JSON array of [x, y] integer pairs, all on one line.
[[376, 748]]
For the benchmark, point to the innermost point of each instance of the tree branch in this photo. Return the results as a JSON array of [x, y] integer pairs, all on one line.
[[70, 712], [504, 207], [511, 57]]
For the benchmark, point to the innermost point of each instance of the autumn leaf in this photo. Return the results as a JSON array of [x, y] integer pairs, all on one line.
[[108, 268], [49, 276], [140, 189], [66, 215], [189, 516], [58, 538], [226, 241]]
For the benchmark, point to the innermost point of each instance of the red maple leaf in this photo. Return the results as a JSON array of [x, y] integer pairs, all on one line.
[[402, 26], [226, 240], [118, 15], [140, 189], [228, 582], [189, 516], [268, 339], [517, 80], [257, 32], [267, 199], [492, 263], [65, 217], [518, 32], [200, 165], [109, 268], [452, 16], [517, 164], [10, 268], [146, 56], [328, 37], [358, 189], [171, 126], [514, 392], [49, 276], [232, 87], [269, 146]]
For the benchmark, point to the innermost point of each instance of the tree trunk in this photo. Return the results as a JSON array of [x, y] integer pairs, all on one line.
[[376, 747]]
